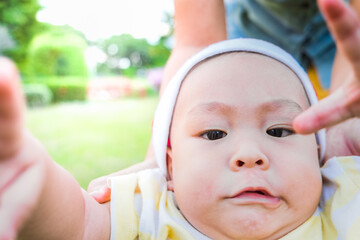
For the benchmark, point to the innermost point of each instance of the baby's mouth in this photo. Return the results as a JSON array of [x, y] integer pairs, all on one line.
[[254, 196], [254, 193]]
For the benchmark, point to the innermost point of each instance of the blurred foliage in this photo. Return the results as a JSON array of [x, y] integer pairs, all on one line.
[[63, 88], [37, 95], [126, 55], [6, 41], [168, 18], [19, 17], [58, 52]]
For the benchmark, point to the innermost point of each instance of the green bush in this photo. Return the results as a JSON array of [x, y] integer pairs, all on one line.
[[63, 88], [58, 52], [37, 95]]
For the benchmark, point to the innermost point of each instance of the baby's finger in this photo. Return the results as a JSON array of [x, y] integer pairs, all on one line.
[[97, 184], [328, 112], [10, 90], [102, 194], [99, 189], [344, 25]]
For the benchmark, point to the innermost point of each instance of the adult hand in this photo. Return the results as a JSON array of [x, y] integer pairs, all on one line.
[[343, 103], [18, 170], [343, 139]]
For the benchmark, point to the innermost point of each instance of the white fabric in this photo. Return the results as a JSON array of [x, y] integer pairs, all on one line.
[[164, 111]]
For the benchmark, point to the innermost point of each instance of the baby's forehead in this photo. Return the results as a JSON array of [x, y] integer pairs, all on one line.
[[241, 60], [243, 69], [243, 80]]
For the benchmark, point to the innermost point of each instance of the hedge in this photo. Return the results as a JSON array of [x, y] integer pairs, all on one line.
[[63, 88], [37, 95]]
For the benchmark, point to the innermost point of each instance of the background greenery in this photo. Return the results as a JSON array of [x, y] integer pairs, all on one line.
[[88, 138], [95, 138], [60, 45], [19, 17]]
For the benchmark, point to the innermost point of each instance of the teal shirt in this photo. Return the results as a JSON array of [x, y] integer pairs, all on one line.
[[295, 25]]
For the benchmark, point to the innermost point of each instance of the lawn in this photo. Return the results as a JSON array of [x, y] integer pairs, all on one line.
[[92, 139]]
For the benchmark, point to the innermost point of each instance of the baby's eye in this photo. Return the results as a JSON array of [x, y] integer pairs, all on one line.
[[280, 132], [214, 134]]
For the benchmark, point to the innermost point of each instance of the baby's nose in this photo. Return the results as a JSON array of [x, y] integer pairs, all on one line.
[[249, 157]]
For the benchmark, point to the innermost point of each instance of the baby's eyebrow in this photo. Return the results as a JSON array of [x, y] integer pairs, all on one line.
[[212, 107], [280, 104]]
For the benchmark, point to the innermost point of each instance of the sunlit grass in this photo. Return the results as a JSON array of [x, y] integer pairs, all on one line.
[[93, 139]]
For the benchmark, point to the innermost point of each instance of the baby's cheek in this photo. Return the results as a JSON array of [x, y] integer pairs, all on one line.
[[196, 200], [206, 190], [201, 191]]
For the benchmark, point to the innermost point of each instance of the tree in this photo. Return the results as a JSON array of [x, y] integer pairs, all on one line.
[[126, 55], [19, 17]]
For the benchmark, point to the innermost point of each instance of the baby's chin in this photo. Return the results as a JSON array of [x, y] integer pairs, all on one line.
[[250, 223], [248, 232]]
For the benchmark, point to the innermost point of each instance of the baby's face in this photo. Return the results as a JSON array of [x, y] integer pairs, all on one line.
[[237, 168]]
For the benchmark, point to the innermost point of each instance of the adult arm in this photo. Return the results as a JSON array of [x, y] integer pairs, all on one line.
[[197, 25]]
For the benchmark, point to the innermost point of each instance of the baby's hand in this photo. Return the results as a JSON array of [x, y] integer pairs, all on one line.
[[99, 189], [21, 173]]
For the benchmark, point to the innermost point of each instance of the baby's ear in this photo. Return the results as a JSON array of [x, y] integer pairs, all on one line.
[[169, 160]]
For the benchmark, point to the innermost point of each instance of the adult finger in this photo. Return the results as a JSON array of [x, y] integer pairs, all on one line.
[[344, 25], [343, 139], [329, 111]]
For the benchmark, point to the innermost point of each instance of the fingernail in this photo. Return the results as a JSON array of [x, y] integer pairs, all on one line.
[[95, 193]]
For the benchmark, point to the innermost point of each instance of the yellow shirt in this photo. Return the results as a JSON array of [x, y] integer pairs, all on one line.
[[142, 208]]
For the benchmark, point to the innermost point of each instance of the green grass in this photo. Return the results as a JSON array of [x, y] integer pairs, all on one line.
[[93, 139]]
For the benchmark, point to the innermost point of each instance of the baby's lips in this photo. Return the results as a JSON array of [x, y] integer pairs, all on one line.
[[258, 190]]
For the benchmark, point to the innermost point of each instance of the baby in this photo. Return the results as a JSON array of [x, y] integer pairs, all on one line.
[[230, 165]]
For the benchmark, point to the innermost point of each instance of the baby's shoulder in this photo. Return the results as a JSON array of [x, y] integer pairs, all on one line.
[[135, 201], [344, 171], [142, 182], [341, 187]]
